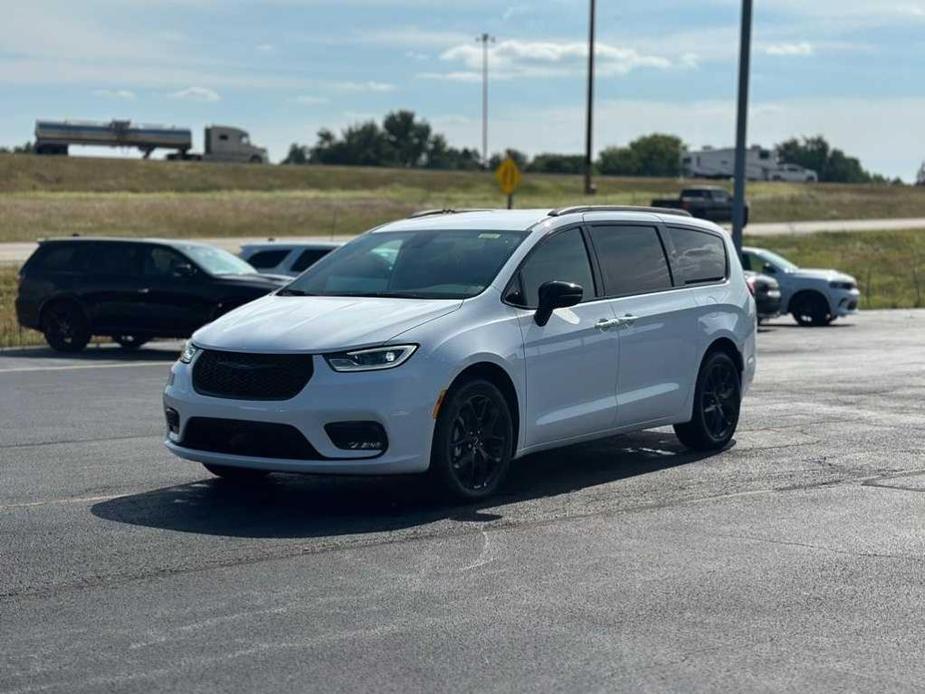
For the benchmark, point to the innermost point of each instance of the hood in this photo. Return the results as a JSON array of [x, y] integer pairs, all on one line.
[[280, 324], [820, 274]]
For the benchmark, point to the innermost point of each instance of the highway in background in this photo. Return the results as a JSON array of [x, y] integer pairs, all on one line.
[[16, 253]]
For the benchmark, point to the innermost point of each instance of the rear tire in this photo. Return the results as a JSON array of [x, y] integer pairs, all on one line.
[[65, 327], [717, 401], [473, 442], [238, 475], [810, 309]]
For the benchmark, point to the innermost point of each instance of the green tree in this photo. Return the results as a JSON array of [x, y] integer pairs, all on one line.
[[557, 163], [519, 158], [651, 155], [298, 154], [407, 137], [832, 165]]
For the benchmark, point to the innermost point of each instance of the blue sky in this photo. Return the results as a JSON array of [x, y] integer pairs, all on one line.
[[849, 69]]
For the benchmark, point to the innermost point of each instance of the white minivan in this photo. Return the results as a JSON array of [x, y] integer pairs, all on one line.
[[453, 342]]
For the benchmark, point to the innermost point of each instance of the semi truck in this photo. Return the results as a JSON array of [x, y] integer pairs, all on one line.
[[222, 142]]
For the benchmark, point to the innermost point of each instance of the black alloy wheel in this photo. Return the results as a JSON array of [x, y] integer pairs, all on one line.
[[811, 309], [473, 441], [65, 327], [717, 403]]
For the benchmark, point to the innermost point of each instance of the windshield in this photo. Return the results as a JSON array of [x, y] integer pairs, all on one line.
[[779, 261], [215, 261], [425, 264]]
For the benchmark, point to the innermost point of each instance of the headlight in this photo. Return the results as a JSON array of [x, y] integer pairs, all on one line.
[[843, 285], [189, 351], [371, 359]]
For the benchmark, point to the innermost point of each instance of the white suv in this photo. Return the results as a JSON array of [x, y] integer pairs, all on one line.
[[455, 342], [813, 297]]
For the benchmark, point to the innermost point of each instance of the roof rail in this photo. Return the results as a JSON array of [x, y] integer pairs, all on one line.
[[617, 208], [431, 213]]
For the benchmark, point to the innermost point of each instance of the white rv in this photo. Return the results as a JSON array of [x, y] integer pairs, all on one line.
[[760, 165]]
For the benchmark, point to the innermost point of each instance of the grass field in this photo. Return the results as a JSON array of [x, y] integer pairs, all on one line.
[[890, 267], [47, 196]]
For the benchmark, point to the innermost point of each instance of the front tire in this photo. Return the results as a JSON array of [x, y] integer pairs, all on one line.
[[473, 442], [811, 309], [65, 327], [717, 401], [238, 475]]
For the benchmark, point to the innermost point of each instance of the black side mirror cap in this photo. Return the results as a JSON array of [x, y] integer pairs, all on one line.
[[556, 294]]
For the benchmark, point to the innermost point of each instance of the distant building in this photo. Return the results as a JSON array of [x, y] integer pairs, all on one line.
[[760, 165]]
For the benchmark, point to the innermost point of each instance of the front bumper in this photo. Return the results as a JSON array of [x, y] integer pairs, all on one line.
[[397, 399], [845, 302]]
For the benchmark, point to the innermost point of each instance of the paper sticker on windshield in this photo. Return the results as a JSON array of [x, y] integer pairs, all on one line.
[[489, 236]]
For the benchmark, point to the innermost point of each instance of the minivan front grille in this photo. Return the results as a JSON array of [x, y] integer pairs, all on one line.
[[243, 376], [253, 439]]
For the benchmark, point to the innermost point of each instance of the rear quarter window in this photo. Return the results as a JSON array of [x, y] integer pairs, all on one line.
[[700, 256], [55, 258]]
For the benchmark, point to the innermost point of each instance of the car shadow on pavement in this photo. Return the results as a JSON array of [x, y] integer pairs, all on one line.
[[293, 506]]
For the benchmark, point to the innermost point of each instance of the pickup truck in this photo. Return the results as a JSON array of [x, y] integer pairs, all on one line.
[[712, 203]]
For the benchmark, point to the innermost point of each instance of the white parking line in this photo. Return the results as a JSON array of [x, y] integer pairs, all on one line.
[[70, 500], [74, 367]]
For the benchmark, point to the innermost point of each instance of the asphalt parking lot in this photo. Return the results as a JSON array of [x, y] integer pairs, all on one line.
[[794, 560]]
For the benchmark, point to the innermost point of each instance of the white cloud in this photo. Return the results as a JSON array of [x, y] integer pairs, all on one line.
[[515, 58], [307, 100], [200, 94], [265, 48], [123, 94], [365, 86], [515, 11], [803, 48]]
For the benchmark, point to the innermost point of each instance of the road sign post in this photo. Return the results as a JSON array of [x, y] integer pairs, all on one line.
[[509, 178]]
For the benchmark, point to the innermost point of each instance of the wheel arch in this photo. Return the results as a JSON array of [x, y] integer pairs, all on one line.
[[66, 298], [727, 346], [501, 379]]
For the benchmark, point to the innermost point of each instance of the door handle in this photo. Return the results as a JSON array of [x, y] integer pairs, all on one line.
[[628, 319], [604, 324], [144, 291]]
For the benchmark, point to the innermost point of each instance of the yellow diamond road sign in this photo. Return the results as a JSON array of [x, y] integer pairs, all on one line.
[[508, 176]]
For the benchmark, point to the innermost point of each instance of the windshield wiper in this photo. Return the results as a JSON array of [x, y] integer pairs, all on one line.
[[290, 291]]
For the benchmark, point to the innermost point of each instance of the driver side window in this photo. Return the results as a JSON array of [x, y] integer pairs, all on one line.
[[163, 262], [561, 257]]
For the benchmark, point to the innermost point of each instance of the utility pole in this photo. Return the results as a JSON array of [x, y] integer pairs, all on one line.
[[589, 155], [485, 39], [745, 51]]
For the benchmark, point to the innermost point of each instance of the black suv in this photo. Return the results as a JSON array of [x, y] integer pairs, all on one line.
[[131, 289]]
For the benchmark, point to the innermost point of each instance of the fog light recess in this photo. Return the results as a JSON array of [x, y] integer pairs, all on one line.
[[173, 420], [358, 436]]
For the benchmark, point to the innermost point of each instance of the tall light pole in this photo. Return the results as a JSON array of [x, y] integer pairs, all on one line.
[[485, 39], [745, 51], [589, 124]]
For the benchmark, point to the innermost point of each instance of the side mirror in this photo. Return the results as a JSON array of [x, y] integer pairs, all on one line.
[[769, 269], [183, 270], [555, 295]]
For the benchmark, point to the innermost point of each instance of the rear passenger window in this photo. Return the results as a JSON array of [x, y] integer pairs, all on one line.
[[562, 257], [308, 258], [266, 259], [632, 259], [701, 255], [116, 259]]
